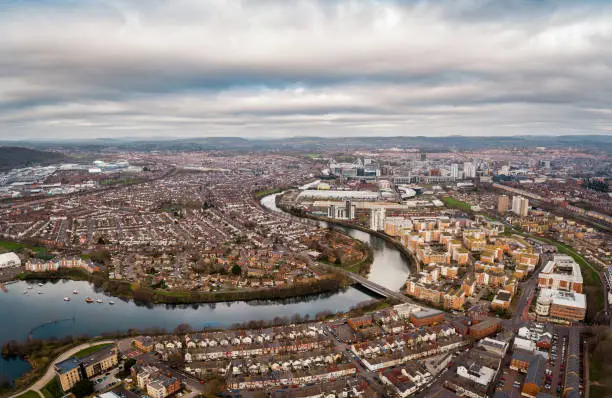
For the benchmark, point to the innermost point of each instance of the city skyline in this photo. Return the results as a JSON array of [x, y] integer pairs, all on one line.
[[279, 69]]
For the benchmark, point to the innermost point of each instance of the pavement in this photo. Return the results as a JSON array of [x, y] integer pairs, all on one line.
[[50, 373]]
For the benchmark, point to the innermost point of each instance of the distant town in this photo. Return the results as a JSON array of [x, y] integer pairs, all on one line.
[[507, 252]]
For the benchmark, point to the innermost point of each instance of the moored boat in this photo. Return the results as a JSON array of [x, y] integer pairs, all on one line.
[[89, 300], [99, 301], [111, 302], [75, 291], [66, 298]]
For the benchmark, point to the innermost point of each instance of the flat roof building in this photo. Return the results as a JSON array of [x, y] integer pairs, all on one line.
[[74, 369], [561, 273]]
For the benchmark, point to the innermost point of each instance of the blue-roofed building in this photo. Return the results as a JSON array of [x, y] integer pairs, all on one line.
[[74, 369]]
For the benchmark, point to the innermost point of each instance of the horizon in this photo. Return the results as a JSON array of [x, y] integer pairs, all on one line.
[[268, 138]]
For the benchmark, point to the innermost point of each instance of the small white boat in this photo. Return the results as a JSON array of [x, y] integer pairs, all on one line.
[[30, 287], [111, 302], [66, 298], [39, 292], [40, 284], [25, 292], [75, 291], [99, 301]]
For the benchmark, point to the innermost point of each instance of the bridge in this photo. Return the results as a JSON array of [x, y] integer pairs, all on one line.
[[378, 289], [360, 280], [366, 283]]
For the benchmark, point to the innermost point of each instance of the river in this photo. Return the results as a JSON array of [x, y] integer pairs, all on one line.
[[47, 314], [388, 268]]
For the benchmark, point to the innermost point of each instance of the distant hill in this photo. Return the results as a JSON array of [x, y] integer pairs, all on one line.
[[596, 143], [14, 157]]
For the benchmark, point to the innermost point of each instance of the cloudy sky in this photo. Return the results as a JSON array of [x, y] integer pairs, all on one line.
[[263, 68]]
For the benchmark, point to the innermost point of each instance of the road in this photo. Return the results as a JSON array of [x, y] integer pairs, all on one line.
[[50, 373]]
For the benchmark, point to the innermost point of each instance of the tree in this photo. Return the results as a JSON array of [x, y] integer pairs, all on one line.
[[83, 388], [214, 386], [176, 360], [236, 270], [127, 365]]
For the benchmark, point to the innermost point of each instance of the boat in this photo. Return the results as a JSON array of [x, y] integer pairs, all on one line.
[[111, 302], [89, 300], [25, 292], [66, 298], [30, 287], [39, 292], [75, 291], [99, 301], [40, 284]]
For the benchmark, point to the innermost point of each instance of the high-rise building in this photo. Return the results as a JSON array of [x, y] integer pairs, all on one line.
[[346, 212], [454, 170], [469, 170], [520, 206], [423, 156], [377, 219], [349, 210], [503, 203]]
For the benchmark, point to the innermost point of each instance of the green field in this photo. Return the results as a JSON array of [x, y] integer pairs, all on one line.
[[457, 204], [52, 390], [266, 192], [12, 246], [41, 252], [92, 349]]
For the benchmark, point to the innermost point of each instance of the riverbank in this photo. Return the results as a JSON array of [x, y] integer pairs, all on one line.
[[406, 255], [124, 290]]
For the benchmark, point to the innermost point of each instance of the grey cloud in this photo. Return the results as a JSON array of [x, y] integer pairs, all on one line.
[[252, 68]]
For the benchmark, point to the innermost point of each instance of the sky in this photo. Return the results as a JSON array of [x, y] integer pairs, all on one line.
[[264, 68]]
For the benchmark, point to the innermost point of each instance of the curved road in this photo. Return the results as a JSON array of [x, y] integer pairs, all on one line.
[[50, 373]]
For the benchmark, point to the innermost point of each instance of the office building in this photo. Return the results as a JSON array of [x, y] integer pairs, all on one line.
[[561, 273], [563, 306]]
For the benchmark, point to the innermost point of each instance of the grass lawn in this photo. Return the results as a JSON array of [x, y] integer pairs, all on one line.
[[597, 379], [29, 394], [92, 349], [11, 246], [41, 251], [52, 390], [266, 192], [452, 202]]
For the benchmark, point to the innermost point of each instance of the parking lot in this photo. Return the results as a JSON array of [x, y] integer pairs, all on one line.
[[105, 381], [556, 364], [510, 380]]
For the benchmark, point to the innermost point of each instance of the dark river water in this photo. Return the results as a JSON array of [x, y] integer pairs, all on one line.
[[47, 314]]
